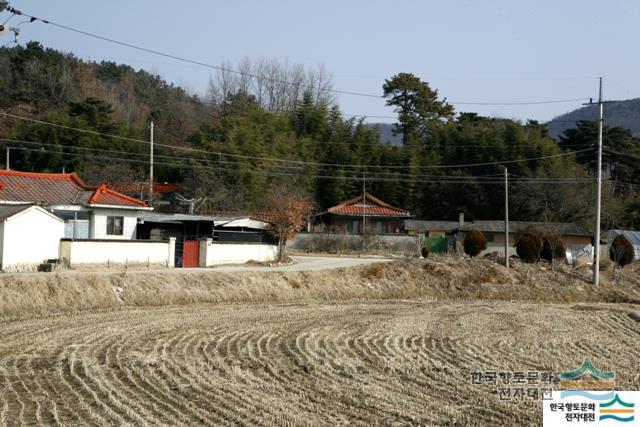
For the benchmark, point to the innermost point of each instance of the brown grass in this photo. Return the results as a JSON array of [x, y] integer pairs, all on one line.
[[438, 278]]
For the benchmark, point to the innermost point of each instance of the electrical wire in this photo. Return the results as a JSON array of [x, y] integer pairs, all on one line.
[[451, 179], [398, 175], [300, 162], [635, 156], [262, 77]]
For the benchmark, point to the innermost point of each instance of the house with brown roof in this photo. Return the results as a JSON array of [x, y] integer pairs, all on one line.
[[364, 213], [88, 212]]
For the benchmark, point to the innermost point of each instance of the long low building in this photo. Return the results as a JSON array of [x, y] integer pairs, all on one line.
[[447, 236]]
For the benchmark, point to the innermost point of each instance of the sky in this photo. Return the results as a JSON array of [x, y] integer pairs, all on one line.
[[492, 51]]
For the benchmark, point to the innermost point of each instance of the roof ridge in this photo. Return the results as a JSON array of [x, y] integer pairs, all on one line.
[[43, 175], [370, 197], [104, 188]]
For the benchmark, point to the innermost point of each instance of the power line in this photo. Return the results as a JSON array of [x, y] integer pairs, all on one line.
[[262, 77], [218, 162], [41, 122], [299, 162], [449, 179], [635, 156]]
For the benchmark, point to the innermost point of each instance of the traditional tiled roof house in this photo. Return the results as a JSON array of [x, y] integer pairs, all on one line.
[[88, 212], [377, 216]]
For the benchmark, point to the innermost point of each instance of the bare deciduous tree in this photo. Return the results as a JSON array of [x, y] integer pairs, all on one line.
[[289, 212], [277, 86]]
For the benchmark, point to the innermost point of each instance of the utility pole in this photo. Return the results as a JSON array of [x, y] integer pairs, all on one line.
[[506, 218], [596, 243], [151, 165], [7, 161], [364, 204]]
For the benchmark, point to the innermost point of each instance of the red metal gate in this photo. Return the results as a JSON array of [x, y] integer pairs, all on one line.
[[190, 253]]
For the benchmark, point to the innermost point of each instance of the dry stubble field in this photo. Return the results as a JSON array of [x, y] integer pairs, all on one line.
[[357, 363]]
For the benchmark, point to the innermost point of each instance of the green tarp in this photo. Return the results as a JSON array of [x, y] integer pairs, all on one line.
[[438, 245]]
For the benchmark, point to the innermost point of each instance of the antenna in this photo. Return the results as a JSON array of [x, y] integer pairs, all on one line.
[[5, 29]]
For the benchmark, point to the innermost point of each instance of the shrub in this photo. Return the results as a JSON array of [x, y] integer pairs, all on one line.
[[529, 247], [553, 247], [621, 251], [424, 251], [474, 242]]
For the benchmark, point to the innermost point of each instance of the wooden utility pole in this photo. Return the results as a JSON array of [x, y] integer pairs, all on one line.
[[151, 165], [364, 203], [506, 218], [596, 243]]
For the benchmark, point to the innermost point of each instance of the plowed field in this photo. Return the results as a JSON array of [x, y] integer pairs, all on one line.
[[385, 362]]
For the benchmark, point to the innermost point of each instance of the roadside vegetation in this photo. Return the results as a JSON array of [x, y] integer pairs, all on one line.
[[436, 278]]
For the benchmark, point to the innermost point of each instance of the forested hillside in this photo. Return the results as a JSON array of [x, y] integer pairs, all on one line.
[[249, 135], [624, 114]]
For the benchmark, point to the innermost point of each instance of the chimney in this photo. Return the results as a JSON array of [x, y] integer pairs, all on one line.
[[461, 219]]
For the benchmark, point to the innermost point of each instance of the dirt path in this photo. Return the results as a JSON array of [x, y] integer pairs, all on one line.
[[305, 263]]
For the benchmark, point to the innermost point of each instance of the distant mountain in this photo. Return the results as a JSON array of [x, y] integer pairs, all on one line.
[[386, 133], [625, 114]]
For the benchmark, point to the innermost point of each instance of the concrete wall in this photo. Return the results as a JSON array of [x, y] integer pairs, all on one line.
[[28, 239], [401, 244], [99, 223], [103, 252], [234, 253]]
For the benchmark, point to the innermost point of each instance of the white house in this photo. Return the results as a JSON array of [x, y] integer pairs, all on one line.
[[88, 212], [29, 235]]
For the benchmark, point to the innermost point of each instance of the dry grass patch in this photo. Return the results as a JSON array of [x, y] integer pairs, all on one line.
[[438, 277]]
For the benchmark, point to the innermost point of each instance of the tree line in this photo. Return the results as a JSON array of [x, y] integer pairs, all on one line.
[[232, 140]]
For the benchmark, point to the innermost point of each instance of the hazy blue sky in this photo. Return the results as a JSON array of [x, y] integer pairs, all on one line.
[[471, 51]]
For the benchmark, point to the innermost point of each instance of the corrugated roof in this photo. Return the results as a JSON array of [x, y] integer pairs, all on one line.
[[58, 189], [177, 218], [369, 206], [564, 228], [260, 216], [632, 236], [421, 226]]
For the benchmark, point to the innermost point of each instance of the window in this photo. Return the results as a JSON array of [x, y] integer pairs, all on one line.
[[76, 223], [115, 225], [76, 229]]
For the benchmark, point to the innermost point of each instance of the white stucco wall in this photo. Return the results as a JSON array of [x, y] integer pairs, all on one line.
[[234, 253], [99, 223], [29, 238], [118, 252]]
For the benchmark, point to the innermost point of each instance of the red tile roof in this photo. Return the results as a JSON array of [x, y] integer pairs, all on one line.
[[58, 189], [372, 207], [106, 196], [143, 187]]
